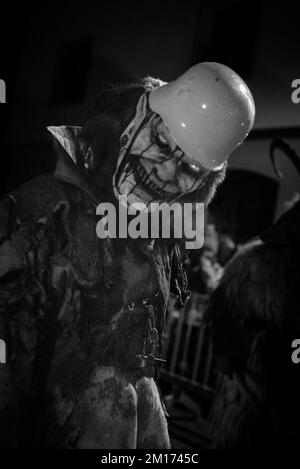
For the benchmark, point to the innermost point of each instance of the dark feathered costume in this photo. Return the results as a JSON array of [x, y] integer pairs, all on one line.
[[255, 313]]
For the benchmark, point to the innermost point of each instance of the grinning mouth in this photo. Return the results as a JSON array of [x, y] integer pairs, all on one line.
[[133, 179], [144, 181]]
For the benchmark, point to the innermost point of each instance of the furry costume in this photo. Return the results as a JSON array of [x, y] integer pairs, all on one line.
[[255, 318], [82, 317]]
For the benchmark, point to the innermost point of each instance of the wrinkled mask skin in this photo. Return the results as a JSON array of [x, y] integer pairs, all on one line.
[[152, 168]]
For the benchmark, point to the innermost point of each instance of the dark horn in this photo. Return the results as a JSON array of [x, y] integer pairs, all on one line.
[[279, 144]]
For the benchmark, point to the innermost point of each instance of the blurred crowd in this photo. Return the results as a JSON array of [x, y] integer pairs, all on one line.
[[205, 267]]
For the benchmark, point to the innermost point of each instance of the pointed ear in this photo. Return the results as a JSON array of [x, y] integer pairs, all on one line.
[[67, 135]]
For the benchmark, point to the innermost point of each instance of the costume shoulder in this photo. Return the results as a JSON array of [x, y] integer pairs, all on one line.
[[20, 210], [255, 281], [246, 290], [38, 196]]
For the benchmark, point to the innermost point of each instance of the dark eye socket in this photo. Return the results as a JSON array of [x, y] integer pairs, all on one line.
[[190, 168], [161, 142]]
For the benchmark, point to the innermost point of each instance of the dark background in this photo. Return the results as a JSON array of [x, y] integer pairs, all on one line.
[[55, 57]]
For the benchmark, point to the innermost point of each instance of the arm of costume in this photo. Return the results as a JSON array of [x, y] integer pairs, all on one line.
[[178, 281], [31, 289], [12, 315]]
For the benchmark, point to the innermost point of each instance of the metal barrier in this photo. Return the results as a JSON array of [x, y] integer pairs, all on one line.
[[188, 345], [188, 375]]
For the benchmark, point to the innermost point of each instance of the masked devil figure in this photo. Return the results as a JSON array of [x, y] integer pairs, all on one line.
[[82, 317]]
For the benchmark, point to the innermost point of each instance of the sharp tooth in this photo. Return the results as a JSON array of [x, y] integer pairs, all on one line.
[[142, 173], [144, 178]]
